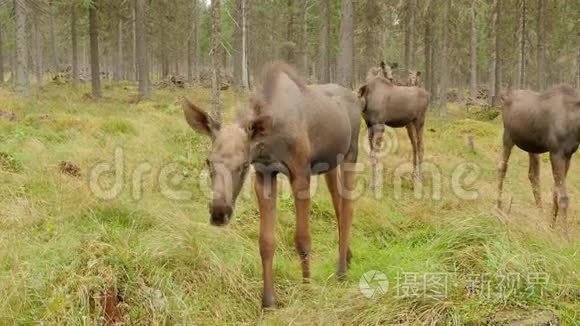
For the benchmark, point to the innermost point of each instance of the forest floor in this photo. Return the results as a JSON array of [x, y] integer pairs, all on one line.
[[68, 254]]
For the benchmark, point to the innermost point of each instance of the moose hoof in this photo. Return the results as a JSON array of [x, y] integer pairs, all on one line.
[[268, 301], [341, 274]]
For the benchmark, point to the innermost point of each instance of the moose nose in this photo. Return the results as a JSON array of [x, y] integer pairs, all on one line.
[[220, 214]]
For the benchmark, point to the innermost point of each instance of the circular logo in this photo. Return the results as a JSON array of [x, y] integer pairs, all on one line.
[[373, 284]]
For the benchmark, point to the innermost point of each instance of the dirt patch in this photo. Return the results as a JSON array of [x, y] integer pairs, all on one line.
[[7, 116], [110, 305], [69, 168]]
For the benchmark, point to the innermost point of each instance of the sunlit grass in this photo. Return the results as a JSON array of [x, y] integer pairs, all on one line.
[[61, 247]]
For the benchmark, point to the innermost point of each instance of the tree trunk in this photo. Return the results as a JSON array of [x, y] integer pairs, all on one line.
[[473, 75], [540, 53], [134, 68], [245, 83], [444, 61], [37, 46], [345, 57], [94, 39], [1, 58], [578, 68], [74, 45], [497, 57], [290, 45], [324, 51], [522, 44], [163, 37], [238, 44], [197, 40], [410, 36], [118, 73], [303, 46], [22, 86], [190, 39], [216, 59], [141, 49], [53, 45], [428, 46]]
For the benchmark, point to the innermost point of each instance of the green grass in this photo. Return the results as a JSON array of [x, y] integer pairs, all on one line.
[[62, 247]]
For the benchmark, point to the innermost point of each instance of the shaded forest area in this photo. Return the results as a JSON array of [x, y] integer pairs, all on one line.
[[474, 45]]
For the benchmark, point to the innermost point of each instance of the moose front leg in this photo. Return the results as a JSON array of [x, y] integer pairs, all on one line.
[[534, 176], [301, 190], [265, 187]]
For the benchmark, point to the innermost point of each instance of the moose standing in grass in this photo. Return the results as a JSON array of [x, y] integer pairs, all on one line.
[[384, 103], [540, 123], [296, 130]]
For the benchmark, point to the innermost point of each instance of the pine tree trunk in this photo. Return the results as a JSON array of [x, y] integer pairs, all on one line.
[[522, 46], [94, 39], [141, 49], [345, 57], [410, 35], [245, 76], [473, 75], [163, 41], [428, 46], [304, 37], [118, 73], [290, 47], [578, 68], [190, 40], [540, 54], [1, 58], [53, 45], [22, 86], [444, 61], [216, 59], [197, 40], [238, 44], [74, 45], [37, 46], [324, 51], [134, 68], [497, 57]]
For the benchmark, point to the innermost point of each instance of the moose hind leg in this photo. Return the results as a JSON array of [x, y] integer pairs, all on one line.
[[332, 179], [560, 163], [412, 132], [534, 176], [503, 165], [419, 128], [346, 191]]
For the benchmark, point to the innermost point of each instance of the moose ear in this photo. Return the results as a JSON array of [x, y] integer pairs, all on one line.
[[260, 127], [418, 74], [198, 119], [362, 91]]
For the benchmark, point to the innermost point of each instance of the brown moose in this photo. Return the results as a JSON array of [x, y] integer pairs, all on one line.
[[293, 129], [385, 103], [540, 123]]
